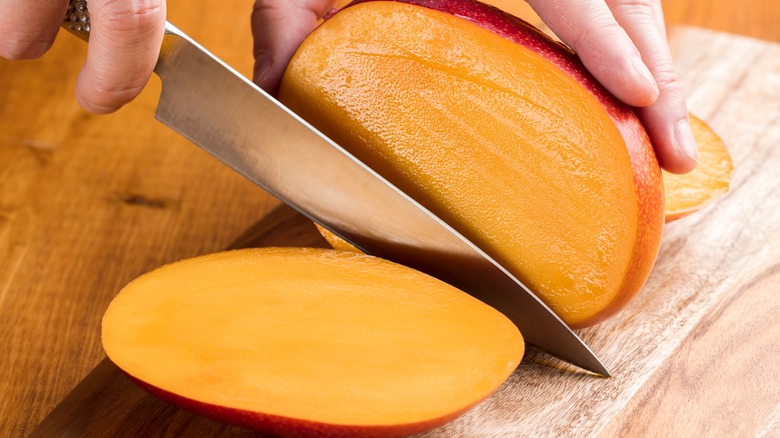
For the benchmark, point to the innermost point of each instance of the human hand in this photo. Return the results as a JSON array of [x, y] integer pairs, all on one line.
[[124, 44], [278, 28], [622, 43]]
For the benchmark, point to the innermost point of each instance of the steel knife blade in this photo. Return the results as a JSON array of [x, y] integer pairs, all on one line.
[[228, 116]]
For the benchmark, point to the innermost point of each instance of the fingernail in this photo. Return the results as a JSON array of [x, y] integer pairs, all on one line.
[[644, 75], [684, 142]]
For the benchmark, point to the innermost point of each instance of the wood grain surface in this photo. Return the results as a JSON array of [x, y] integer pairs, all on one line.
[[88, 203]]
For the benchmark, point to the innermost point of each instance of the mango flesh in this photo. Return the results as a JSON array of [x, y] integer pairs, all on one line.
[[513, 151], [688, 193], [309, 341]]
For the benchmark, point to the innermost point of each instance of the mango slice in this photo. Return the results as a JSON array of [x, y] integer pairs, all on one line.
[[688, 193], [296, 341]]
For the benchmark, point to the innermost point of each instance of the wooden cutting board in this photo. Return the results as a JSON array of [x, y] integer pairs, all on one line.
[[696, 353]]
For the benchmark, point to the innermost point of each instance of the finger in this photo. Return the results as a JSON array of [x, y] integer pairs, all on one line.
[[124, 45], [666, 120], [28, 29], [589, 28], [278, 28]]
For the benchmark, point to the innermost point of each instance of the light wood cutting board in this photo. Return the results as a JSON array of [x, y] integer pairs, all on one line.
[[715, 283]]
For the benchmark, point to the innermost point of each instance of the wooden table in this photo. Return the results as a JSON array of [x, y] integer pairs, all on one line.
[[87, 203]]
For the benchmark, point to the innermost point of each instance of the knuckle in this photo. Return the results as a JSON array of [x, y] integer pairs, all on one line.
[[102, 104], [637, 11], [600, 46], [588, 38], [111, 94], [16, 48], [640, 5], [134, 15], [666, 79]]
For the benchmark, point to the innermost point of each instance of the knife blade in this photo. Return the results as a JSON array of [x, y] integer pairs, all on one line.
[[228, 116]]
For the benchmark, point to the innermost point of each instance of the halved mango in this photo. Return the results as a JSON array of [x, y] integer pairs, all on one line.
[[295, 341], [498, 130]]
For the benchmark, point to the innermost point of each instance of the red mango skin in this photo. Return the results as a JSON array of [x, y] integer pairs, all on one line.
[[291, 427]]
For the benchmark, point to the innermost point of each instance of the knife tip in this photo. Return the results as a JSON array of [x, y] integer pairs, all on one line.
[[596, 367]]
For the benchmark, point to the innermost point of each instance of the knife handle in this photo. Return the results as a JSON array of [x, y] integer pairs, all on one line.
[[76, 19]]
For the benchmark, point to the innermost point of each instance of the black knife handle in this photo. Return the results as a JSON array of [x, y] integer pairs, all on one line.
[[76, 19]]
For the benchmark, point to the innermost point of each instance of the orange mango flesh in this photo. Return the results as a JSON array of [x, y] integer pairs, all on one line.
[[710, 180], [320, 339], [503, 145], [685, 194], [335, 241]]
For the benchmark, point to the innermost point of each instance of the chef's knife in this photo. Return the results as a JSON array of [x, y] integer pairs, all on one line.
[[228, 116]]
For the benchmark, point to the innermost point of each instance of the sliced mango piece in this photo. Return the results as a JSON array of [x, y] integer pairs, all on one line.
[[309, 341], [688, 193]]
